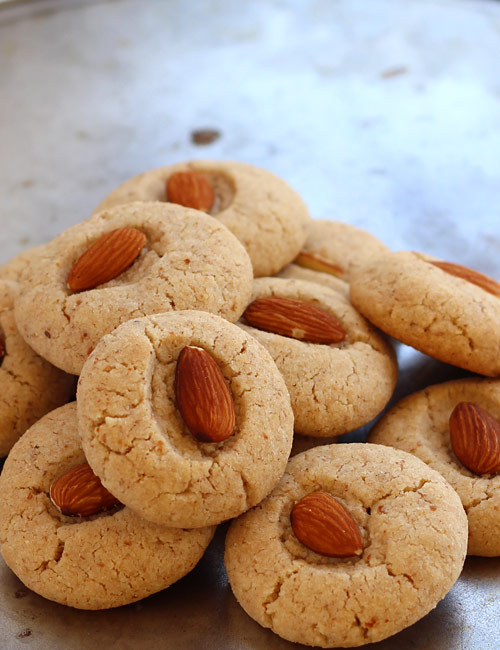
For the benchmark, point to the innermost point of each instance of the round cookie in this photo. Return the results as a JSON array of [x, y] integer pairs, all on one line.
[[440, 314], [334, 388], [29, 385], [13, 269], [190, 261], [134, 436], [296, 272], [414, 539], [419, 424], [259, 208], [337, 249], [96, 562]]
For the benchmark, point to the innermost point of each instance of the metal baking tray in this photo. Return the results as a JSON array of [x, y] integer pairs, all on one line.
[[380, 113]]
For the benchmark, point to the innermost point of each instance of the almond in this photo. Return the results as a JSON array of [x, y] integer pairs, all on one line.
[[203, 397], [294, 318], [2, 351], [191, 189], [80, 493], [479, 279], [109, 256], [321, 523], [317, 263], [475, 438]]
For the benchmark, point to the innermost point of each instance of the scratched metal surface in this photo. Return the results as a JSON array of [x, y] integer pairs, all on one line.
[[380, 113]]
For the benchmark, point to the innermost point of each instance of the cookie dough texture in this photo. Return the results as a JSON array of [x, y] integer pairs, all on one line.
[[296, 272], [136, 442], [439, 314], [415, 537], [333, 388], [190, 261], [343, 245], [29, 385], [97, 562], [12, 270], [260, 209], [419, 424]]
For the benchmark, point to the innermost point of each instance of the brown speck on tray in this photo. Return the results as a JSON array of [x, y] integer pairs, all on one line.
[[20, 593], [25, 633], [204, 136]]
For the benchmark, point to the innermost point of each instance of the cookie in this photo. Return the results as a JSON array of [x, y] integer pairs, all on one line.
[[419, 424], [262, 210], [334, 388], [94, 562], [423, 302], [12, 270], [297, 272], [337, 249], [137, 440], [411, 548], [29, 385], [189, 261]]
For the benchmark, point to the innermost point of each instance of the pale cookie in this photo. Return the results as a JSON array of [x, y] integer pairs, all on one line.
[[13, 269], [445, 316], [189, 261], [337, 249], [29, 385], [413, 539], [137, 442], [261, 209], [334, 388], [296, 272], [419, 424], [93, 562]]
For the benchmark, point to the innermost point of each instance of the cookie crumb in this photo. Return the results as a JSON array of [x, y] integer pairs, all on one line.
[[204, 136]]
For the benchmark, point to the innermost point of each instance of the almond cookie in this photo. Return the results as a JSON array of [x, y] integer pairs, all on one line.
[[262, 210], [335, 385], [444, 310], [334, 250], [421, 424], [29, 385], [382, 540], [188, 261], [136, 408], [88, 561], [12, 270]]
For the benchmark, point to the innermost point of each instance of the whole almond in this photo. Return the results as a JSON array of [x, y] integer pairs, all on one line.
[[317, 263], [109, 256], [321, 523], [191, 189], [475, 438], [479, 279], [80, 493], [203, 397], [296, 319]]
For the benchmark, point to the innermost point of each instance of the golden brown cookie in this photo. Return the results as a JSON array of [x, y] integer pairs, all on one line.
[[262, 210], [446, 311], [136, 430], [29, 385], [188, 261], [409, 550], [98, 561], [334, 387], [420, 424]]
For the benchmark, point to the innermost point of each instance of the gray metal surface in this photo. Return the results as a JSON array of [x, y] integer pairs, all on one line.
[[381, 113]]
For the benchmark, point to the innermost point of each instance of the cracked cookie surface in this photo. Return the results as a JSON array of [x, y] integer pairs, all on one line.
[[137, 443], [29, 385], [189, 261], [260, 209], [334, 388], [97, 562], [419, 424], [414, 534], [421, 305]]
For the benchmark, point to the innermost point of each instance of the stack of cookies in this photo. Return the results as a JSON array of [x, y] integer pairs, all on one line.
[[196, 368]]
